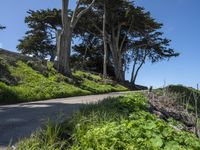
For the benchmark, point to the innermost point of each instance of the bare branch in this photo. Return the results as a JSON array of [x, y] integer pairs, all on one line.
[[75, 11], [76, 18], [122, 43]]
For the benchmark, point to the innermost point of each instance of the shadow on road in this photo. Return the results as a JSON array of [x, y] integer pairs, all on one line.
[[19, 122]]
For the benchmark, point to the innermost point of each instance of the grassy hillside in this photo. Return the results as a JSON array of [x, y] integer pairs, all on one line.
[[187, 93], [122, 123], [185, 96], [178, 102], [25, 79]]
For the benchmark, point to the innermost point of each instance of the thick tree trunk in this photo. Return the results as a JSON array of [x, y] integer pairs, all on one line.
[[64, 42], [117, 60], [105, 44], [118, 66], [64, 53], [65, 37], [119, 70]]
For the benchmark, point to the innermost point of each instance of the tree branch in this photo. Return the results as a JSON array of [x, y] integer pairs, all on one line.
[[107, 35], [122, 43], [75, 11], [76, 18]]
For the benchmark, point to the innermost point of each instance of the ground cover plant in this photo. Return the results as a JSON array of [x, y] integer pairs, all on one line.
[[115, 123], [29, 80]]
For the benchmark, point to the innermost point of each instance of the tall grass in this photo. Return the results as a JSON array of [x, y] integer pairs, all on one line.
[[46, 139]]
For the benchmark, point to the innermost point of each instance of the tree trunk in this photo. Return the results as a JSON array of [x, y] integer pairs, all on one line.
[[65, 51], [118, 66], [65, 38], [120, 76], [64, 45], [136, 71], [105, 44], [117, 59], [133, 73]]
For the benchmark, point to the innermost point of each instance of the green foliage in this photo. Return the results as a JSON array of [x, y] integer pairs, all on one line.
[[117, 123], [95, 83], [39, 40], [45, 139], [29, 80], [34, 86], [88, 76]]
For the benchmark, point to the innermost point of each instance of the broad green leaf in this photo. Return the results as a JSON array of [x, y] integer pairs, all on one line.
[[157, 141]]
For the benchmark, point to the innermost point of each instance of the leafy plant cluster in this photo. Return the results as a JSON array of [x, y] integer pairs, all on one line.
[[115, 123], [95, 83], [40, 82]]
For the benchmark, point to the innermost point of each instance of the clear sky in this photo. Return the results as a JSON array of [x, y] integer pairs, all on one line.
[[181, 20]]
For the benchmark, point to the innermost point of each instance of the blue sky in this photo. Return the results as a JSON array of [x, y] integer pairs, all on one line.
[[181, 25]]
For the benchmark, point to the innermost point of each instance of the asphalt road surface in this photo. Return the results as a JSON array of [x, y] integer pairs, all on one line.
[[20, 120]]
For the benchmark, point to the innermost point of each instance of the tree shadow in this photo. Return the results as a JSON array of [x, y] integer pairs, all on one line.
[[20, 121]]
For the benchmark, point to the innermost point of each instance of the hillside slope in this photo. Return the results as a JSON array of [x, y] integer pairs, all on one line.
[[29, 79], [180, 103]]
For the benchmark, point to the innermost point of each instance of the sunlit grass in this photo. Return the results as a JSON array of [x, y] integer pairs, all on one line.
[[44, 82]]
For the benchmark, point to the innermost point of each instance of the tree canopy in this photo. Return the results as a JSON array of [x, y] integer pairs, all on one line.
[[128, 32], [40, 39]]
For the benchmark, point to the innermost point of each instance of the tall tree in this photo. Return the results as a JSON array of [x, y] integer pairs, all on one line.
[[151, 47], [125, 22], [38, 45], [39, 40], [123, 18], [65, 36]]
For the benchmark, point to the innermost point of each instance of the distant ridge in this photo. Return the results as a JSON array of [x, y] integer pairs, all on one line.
[[17, 55]]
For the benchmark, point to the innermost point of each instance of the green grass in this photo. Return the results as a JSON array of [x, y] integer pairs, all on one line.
[[122, 123], [95, 83], [22, 81], [34, 86]]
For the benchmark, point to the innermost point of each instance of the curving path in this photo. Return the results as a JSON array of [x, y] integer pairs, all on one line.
[[20, 120]]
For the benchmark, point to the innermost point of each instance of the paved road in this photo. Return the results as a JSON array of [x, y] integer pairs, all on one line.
[[20, 120]]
